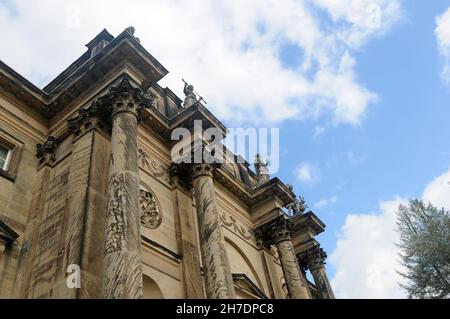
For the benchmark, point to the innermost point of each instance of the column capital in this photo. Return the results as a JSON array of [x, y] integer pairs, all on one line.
[[203, 169], [125, 98], [275, 231], [313, 258], [89, 118], [46, 152], [185, 174], [121, 98]]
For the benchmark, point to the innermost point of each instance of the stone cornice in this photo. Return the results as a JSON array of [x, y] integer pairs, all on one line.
[[307, 221], [197, 111], [251, 197], [16, 86], [81, 75], [273, 188]]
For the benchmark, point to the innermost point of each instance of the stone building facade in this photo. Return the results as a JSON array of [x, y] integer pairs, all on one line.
[[87, 181]]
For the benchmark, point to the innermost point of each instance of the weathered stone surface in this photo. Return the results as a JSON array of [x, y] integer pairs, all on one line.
[[278, 232], [218, 278], [123, 261], [296, 285], [30, 237], [78, 201], [184, 217], [314, 260]]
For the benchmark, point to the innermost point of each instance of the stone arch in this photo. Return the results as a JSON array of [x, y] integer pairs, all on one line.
[[151, 289], [233, 250]]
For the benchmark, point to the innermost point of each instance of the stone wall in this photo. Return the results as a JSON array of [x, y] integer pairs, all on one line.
[[59, 211], [17, 196]]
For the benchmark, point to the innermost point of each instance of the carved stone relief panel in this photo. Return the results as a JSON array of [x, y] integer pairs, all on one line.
[[153, 166], [232, 224], [151, 214]]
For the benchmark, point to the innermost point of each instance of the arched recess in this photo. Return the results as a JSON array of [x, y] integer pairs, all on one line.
[[240, 264], [151, 289]]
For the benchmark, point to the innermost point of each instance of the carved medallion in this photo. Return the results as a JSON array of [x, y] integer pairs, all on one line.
[[150, 211]]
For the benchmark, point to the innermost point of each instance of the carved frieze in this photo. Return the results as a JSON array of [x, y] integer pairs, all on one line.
[[231, 223], [153, 166], [151, 216]]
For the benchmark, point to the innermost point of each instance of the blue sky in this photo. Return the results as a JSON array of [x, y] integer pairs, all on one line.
[[355, 87], [402, 143]]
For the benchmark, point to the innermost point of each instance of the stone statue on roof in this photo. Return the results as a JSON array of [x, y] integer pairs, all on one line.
[[191, 97], [261, 169], [297, 207]]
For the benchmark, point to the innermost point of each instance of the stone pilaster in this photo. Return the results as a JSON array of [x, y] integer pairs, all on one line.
[[186, 237], [45, 154], [216, 266], [85, 210], [278, 233], [122, 259], [314, 259]]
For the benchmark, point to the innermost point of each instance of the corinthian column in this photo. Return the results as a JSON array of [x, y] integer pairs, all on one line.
[[278, 233], [122, 260], [315, 261], [216, 266]]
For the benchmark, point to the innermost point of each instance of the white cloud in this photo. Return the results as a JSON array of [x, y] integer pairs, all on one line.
[[307, 174], [438, 191], [366, 256], [232, 51], [324, 202], [442, 33]]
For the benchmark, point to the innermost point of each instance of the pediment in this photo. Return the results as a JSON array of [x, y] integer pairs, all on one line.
[[243, 282]]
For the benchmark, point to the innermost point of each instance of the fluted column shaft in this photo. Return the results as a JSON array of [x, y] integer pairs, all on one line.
[[216, 266]]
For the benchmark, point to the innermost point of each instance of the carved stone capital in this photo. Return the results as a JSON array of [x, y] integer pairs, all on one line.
[[313, 258], [87, 119], [184, 174], [180, 175], [203, 169], [274, 232], [126, 98], [46, 152]]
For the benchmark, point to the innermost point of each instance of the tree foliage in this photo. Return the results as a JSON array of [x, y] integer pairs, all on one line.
[[425, 245]]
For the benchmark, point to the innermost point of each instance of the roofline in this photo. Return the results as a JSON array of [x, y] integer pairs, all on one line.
[[20, 78]]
